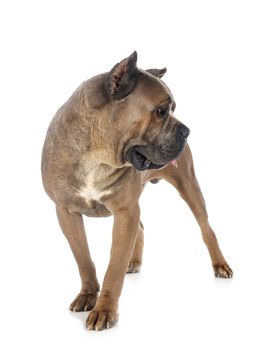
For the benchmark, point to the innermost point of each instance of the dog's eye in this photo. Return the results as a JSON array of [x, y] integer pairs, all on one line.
[[162, 112]]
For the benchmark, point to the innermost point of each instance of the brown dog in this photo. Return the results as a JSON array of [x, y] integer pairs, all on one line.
[[116, 133]]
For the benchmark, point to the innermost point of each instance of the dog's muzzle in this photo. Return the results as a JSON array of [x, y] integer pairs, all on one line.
[[143, 158]]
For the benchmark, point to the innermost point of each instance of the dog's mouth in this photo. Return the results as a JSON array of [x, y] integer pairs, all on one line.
[[141, 162]]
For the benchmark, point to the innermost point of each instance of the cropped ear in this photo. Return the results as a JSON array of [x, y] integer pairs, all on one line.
[[159, 73], [122, 79]]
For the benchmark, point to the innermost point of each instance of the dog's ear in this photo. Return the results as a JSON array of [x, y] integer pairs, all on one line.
[[159, 73], [122, 79]]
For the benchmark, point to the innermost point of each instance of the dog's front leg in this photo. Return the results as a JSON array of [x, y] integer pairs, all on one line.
[[125, 228], [184, 180]]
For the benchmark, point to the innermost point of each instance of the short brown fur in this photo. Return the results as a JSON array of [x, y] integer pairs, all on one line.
[[85, 172]]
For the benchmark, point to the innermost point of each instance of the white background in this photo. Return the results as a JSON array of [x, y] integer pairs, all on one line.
[[211, 51]]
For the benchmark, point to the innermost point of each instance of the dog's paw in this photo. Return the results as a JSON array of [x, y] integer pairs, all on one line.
[[99, 319], [223, 270], [133, 267], [83, 302]]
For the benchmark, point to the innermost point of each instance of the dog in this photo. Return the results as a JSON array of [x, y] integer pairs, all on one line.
[[114, 134]]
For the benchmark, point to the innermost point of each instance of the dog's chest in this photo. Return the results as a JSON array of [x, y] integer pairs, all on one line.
[[93, 183], [91, 193]]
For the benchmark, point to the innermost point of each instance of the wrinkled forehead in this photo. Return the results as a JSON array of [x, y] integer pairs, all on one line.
[[152, 91]]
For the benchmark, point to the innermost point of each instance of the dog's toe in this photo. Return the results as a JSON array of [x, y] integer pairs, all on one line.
[[101, 319], [83, 302], [134, 267], [223, 270]]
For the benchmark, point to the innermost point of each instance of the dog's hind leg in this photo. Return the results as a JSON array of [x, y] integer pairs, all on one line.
[[136, 258], [184, 180], [72, 226]]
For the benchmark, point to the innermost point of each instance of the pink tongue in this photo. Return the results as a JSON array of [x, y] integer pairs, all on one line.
[[174, 162]]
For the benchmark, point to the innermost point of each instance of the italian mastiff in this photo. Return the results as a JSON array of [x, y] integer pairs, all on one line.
[[114, 134]]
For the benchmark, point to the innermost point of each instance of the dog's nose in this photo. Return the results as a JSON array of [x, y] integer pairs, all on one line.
[[183, 130]]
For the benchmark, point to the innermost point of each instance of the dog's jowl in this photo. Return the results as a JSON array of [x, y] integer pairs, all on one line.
[[114, 134]]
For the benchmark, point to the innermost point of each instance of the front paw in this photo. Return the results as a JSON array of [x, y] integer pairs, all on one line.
[[223, 270], [84, 302], [100, 319]]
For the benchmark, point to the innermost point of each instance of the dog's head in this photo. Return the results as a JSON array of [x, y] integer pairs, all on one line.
[[143, 108]]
